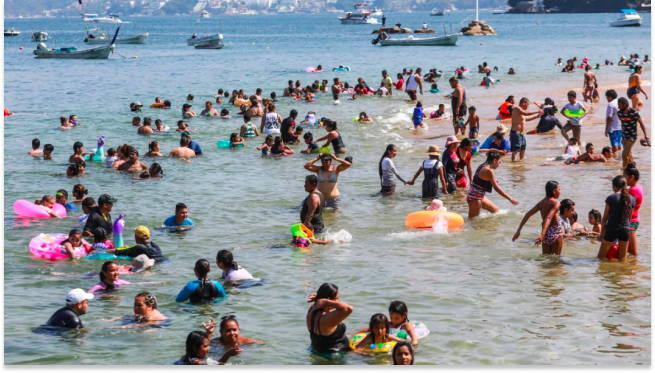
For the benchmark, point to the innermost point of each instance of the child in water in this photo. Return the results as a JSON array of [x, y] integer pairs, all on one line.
[[305, 242], [79, 192], [311, 145], [236, 141], [61, 197], [279, 148], [247, 128], [436, 205], [572, 150], [418, 115], [576, 227], [378, 332], [473, 122], [551, 232], [434, 88], [439, 113], [594, 219], [364, 118], [398, 319], [267, 145], [566, 210], [47, 151], [225, 114], [109, 161], [298, 132], [73, 242], [102, 244]]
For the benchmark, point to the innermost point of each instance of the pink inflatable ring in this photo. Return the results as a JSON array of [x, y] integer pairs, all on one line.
[[48, 246]]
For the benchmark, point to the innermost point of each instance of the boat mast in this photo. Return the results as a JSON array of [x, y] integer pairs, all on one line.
[[476, 10]]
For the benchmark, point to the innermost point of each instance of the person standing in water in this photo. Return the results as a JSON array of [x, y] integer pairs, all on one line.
[[590, 83], [552, 234], [388, 172], [327, 177], [314, 204], [612, 121], [324, 320], [433, 170], [634, 88], [484, 181], [616, 219], [629, 118], [458, 101], [520, 115], [413, 82]]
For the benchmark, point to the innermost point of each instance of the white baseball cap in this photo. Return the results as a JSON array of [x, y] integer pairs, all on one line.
[[76, 296]]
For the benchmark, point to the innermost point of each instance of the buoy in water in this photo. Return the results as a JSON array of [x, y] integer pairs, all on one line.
[[21, 48], [135, 56]]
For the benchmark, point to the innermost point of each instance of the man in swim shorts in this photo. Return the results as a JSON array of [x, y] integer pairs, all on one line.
[[413, 82], [612, 122], [458, 101], [77, 303], [520, 115]]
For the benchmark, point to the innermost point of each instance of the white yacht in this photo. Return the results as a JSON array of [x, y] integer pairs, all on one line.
[[627, 18], [112, 18], [357, 19], [376, 12], [40, 36], [204, 14]]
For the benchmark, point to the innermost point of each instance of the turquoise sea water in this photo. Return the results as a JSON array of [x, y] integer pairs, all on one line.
[[485, 299]]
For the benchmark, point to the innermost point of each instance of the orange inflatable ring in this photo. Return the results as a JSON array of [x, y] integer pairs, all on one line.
[[426, 219], [240, 101], [157, 105]]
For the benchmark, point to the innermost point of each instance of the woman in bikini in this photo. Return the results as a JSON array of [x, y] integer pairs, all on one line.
[[551, 237], [634, 88], [484, 181], [328, 176]]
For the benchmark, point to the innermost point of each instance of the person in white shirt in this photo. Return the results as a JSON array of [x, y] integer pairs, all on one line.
[[612, 122], [231, 270]]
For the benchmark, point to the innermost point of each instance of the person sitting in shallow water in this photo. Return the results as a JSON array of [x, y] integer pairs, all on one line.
[[589, 155]]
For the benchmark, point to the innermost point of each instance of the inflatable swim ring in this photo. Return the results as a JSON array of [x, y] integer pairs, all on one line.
[[157, 105], [27, 209], [47, 246], [426, 219], [434, 90], [225, 144], [343, 68], [421, 330], [574, 113], [313, 70], [380, 347], [106, 256], [240, 101], [99, 155]]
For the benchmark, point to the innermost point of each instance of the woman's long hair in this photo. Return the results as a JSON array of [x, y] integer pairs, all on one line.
[[389, 148], [619, 182]]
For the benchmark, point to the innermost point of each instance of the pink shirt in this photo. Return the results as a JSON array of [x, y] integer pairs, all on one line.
[[102, 286], [639, 197]]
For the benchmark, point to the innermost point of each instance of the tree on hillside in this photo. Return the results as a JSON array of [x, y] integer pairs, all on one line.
[[179, 6]]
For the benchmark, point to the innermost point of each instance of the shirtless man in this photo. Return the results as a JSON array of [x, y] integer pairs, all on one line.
[[133, 164], [458, 101], [78, 153], [136, 121], [485, 68], [336, 87], [551, 237], [520, 115], [589, 84], [146, 129], [36, 148], [288, 91], [634, 88], [183, 151], [413, 82]]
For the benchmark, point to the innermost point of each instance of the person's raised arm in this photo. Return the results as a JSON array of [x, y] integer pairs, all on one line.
[[344, 165], [309, 166], [331, 320]]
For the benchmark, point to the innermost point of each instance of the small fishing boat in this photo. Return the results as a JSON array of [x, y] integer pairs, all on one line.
[[204, 14], [357, 19], [102, 39], [40, 36], [446, 40], [627, 18], [209, 46], [376, 11], [205, 39], [96, 53], [12, 32]]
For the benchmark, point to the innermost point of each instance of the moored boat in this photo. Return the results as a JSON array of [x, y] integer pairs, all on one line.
[[358, 19], [12, 32], [627, 18], [446, 40]]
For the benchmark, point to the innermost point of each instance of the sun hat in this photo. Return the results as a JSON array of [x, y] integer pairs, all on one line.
[[502, 129], [141, 263], [452, 140], [433, 150]]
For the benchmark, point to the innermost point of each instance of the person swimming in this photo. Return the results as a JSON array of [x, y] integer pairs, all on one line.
[[201, 290]]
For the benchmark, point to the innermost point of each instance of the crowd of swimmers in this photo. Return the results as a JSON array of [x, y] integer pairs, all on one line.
[[444, 172]]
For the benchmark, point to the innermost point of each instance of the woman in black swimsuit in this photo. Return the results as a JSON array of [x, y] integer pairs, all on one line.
[[333, 137], [324, 320]]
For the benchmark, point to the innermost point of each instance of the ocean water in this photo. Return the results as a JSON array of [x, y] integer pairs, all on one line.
[[485, 299]]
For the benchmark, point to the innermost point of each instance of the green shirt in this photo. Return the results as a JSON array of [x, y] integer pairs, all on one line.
[[387, 83]]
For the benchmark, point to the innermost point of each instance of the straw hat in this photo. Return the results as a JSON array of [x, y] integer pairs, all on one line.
[[433, 150], [502, 129]]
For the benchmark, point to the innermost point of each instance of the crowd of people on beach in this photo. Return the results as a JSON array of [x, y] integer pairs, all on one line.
[[444, 172]]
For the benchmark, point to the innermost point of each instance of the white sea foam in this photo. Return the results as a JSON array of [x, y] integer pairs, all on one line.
[[340, 237]]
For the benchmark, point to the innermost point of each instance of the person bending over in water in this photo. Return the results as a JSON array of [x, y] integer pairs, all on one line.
[[305, 242], [133, 164], [484, 181], [183, 151], [551, 237]]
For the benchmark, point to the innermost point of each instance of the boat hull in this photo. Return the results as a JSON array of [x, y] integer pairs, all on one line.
[[369, 21], [626, 23], [136, 39], [209, 46], [98, 53], [449, 40], [207, 39]]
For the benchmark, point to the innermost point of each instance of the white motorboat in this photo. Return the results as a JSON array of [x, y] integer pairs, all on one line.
[[385, 41], [358, 19], [439, 12], [112, 18], [627, 18], [205, 39], [204, 14], [12, 32], [39, 36], [376, 12]]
